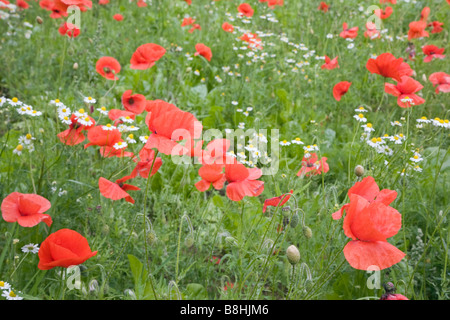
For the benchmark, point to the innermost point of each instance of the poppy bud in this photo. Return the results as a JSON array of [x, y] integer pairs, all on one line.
[[307, 232], [359, 170], [285, 211], [75, 66], [39, 20], [294, 220], [189, 241], [293, 255], [93, 286], [151, 238]]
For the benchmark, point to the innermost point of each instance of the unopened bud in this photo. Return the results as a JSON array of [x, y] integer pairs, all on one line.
[[293, 255], [189, 241], [359, 170], [151, 238], [75, 66], [294, 220], [39, 20], [285, 211], [307, 232]]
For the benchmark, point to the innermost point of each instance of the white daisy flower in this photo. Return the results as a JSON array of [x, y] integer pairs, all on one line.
[[10, 295], [297, 141], [423, 120], [14, 102], [285, 143], [132, 128], [143, 139], [81, 113], [396, 123], [85, 121], [417, 168], [4, 285], [130, 139], [103, 111], [360, 109], [120, 145], [57, 103], [18, 150], [368, 127], [66, 120], [241, 125], [2, 101], [360, 117], [310, 148], [108, 127], [89, 100], [126, 119], [35, 113], [30, 248], [416, 158], [64, 112]]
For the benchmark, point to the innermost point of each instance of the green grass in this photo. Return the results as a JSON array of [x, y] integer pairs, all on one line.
[[155, 256]]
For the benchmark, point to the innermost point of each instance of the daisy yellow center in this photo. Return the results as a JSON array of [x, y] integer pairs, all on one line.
[[28, 136], [2, 283], [361, 108], [15, 99], [64, 110], [127, 117], [108, 125], [284, 141], [379, 140], [89, 98], [56, 100], [12, 294], [401, 135], [81, 110], [361, 115], [416, 157], [424, 118], [19, 147], [441, 121], [374, 140], [298, 139], [130, 136], [146, 137], [396, 138], [66, 118], [386, 135], [131, 127], [119, 143], [369, 125], [103, 108], [86, 119]]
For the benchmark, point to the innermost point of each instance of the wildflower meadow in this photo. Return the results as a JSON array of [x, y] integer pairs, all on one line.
[[224, 150]]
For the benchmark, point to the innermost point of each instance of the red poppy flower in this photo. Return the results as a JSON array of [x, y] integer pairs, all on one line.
[[146, 55], [115, 191], [393, 296], [386, 65], [169, 125], [348, 32], [22, 4], [369, 190], [134, 103], [341, 89], [424, 14], [242, 181], [103, 2], [141, 3], [323, 7], [216, 152], [27, 209], [405, 92], [437, 26], [203, 50], [417, 30], [384, 13], [276, 201], [195, 26], [110, 151], [246, 9], [432, 52], [313, 166], [330, 64], [69, 29], [144, 165], [118, 17], [227, 27], [371, 31], [74, 135], [187, 21], [388, 1], [441, 80], [97, 136], [273, 3], [370, 224], [211, 174], [64, 248], [108, 67], [116, 115]]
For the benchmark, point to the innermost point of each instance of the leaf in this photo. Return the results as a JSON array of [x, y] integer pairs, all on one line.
[[218, 202], [195, 291]]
